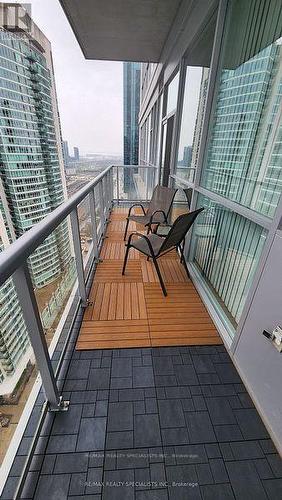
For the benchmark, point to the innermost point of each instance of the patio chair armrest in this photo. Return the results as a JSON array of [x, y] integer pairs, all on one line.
[[152, 217], [136, 205], [140, 235]]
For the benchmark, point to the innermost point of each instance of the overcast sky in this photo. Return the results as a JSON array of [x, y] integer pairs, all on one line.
[[90, 93]]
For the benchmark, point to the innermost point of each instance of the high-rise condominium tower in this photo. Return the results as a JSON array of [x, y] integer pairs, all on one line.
[[32, 178], [131, 106]]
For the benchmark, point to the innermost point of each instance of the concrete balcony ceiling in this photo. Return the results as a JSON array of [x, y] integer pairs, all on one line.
[[127, 30]]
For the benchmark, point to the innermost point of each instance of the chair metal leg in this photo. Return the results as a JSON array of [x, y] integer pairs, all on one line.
[[160, 276], [183, 261], [181, 249], [126, 228], [125, 259]]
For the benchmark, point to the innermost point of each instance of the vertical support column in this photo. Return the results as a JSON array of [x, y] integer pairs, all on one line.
[[178, 116], [147, 182], [94, 224], [101, 205], [117, 185], [24, 288], [78, 256], [105, 197], [111, 174], [108, 189]]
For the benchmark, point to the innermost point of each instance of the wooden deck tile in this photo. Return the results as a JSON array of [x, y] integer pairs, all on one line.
[[120, 213], [110, 271], [115, 250], [131, 311], [119, 226], [171, 269]]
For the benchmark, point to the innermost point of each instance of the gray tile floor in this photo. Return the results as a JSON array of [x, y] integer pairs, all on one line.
[[155, 424]]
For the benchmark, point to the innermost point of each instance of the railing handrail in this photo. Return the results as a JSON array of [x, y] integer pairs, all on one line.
[[135, 166], [16, 253], [12, 257]]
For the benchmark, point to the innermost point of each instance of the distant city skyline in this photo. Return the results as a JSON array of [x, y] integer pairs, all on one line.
[[90, 93]]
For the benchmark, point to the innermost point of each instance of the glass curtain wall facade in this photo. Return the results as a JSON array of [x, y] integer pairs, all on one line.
[[228, 147], [31, 181]]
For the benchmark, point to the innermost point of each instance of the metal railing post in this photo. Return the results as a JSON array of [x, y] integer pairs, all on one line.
[[101, 205], [117, 185], [105, 198], [94, 224], [25, 292], [111, 174], [108, 184], [107, 193], [78, 256], [147, 182]]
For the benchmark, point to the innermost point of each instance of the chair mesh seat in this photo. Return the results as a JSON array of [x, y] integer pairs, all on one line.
[[142, 245], [161, 202], [145, 219], [163, 230]]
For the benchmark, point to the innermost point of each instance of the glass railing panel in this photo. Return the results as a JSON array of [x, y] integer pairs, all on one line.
[[85, 229], [53, 272], [98, 213], [53, 280], [52, 268], [18, 369], [135, 183]]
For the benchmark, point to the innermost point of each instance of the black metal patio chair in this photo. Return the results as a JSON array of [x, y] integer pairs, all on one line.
[[157, 211], [162, 229], [155, 246]]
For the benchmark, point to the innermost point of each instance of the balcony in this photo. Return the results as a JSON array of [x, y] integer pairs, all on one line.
[[139, 396]]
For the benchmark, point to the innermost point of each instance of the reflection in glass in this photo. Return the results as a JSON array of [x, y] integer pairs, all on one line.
[[244, 153], [196, 82]]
